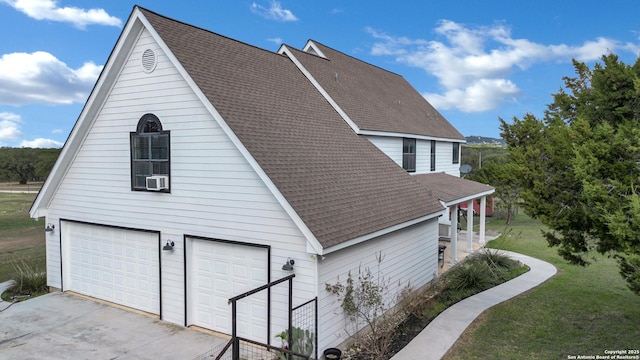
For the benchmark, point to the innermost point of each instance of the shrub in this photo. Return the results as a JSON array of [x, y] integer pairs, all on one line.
[[493, 258], [475, 276], [28, 281], [367, 302]]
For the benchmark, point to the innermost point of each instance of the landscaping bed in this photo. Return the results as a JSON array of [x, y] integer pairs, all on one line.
[[478, 272]]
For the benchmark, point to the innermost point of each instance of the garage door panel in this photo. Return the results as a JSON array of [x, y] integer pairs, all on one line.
[[219, 271], [112, 264]]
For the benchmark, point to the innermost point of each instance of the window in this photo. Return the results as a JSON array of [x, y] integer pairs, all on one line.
[[433, 155], [149, 152], [456, 153], [409, 154]]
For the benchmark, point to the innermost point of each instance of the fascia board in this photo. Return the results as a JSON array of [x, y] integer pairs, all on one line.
[[470, 197], [311, 45], [408, 135], [375, 234]]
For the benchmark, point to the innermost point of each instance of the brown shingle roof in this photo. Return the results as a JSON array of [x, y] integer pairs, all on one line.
[[374, 98], [449, 188], [339, 184]]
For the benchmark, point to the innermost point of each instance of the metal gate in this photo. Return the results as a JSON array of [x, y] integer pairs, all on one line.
[[302, 329]]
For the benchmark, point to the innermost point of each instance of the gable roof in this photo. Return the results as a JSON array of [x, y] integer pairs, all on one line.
[[452, 189], [337, 183], [340, 184], [373, 98]]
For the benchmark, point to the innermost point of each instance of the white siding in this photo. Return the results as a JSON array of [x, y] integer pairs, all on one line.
[[423, 156], [444, 159], [214, 191], [410, 256], [391, 146]]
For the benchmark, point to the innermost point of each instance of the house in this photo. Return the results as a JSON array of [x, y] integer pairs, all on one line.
[[200, 165]]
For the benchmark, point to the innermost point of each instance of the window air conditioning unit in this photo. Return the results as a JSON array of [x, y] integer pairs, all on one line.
[[157, 183]]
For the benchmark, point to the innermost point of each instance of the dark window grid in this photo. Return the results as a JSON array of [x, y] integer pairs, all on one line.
[[409, 154], [456, 153], [150, 156], [433, 156]]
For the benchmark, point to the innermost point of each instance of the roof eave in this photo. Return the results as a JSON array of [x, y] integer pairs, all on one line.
[[381, 232], [468, 198], [408, 135]]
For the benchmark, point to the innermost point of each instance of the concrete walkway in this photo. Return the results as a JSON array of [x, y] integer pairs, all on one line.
[[438, 337]]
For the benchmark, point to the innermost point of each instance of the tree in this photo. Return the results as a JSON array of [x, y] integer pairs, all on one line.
[[501, 174], [26, 164], [579, 166], [18, 163]]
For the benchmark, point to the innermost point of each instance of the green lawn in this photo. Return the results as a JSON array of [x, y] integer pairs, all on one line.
[[21, 238], [580, 311]]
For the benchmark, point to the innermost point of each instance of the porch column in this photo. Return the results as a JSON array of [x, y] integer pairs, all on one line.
[[483, 217], [470, 226], [454, 234]]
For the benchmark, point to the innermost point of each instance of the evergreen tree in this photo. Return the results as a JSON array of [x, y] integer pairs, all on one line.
[[579, 166]]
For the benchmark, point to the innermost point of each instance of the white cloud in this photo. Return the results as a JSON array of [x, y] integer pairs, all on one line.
[[9, 126], [41, 143], [277, 41], [39, 77], [49, 10], [274, 12], [482, 95], [473, 64]]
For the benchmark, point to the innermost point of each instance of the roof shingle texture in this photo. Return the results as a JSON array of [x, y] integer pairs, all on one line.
[[449, 188], [374, 98], [339, 184]]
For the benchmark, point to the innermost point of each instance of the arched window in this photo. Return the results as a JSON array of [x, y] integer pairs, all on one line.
[[150, 155]]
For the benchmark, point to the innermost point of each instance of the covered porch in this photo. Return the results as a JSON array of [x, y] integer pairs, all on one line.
[[453, 192], [461, 248]]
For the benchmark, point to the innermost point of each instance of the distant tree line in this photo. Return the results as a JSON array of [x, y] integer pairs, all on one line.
[[25, 165]]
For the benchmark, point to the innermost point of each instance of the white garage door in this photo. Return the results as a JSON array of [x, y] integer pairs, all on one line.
[[219, 271], [115, 265]]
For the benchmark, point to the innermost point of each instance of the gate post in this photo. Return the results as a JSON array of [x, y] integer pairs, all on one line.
[[290, 332], [235, 352]]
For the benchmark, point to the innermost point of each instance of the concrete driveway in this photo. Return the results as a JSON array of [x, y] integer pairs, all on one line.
[[64, 326]]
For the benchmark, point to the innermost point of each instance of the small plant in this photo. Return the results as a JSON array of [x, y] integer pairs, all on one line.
[[365, 302], [28, 281], [302, 342]]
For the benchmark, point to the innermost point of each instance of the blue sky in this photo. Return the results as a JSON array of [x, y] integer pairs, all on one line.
[[473, 60]]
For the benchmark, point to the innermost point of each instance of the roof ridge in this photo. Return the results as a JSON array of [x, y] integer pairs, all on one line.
[[352, 57], [143, 9]]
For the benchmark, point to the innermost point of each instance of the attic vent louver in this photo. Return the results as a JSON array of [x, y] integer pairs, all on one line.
[[148, 60]]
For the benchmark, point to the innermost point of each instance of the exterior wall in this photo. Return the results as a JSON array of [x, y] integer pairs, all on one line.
[[392, 147], [410, 257], [214, 191], [444, 159]]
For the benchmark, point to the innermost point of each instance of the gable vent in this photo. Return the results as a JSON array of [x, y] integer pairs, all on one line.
[[148, 60]]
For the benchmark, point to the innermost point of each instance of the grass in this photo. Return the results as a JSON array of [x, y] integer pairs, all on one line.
[[21, 238], [580, 311]]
